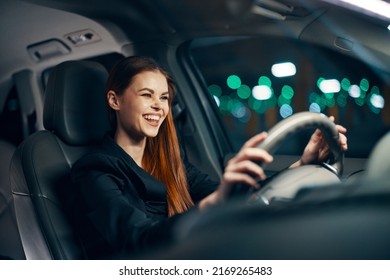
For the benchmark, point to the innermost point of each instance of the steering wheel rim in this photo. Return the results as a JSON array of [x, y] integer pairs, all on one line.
[[302, 121], [287, 183]]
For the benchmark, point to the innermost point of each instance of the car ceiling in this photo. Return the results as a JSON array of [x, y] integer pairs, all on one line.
[[119, 22]]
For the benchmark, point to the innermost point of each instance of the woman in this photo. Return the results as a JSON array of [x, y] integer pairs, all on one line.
[[135, 185]]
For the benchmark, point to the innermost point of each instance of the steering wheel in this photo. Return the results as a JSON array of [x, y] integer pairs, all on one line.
[[287, 183]]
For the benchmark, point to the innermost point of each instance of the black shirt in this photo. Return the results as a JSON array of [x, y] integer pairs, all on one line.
[[121, 208]]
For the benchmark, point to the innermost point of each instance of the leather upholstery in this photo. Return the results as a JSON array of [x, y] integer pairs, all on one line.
[[75, 117], [378, 165], [10, 244], [74, 106]]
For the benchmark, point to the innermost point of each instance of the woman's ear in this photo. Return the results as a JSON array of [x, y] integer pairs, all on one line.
[[112, 100]]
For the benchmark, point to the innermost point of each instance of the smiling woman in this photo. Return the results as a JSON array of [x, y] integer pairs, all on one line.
[[141, 97], [136, 178]]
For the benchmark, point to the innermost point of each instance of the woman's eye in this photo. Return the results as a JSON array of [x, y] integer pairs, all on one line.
[[164, 97], [146, 94]]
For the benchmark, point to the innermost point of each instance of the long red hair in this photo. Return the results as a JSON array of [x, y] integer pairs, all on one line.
[[162, 153]]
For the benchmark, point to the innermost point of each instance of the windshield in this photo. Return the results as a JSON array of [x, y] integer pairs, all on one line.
[[257, 82]]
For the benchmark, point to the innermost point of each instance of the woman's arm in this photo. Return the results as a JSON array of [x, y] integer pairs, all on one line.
[[242, 168]]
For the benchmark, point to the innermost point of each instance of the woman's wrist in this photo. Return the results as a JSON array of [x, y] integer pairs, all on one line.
[[210, 200], [297, 163]]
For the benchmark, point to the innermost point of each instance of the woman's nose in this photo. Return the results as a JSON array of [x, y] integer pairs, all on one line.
[[157, 103]]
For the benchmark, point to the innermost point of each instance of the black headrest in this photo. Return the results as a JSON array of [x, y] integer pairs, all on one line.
[[75, 104]]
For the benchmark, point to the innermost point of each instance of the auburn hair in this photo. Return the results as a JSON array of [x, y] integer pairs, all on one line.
[[162, 153]]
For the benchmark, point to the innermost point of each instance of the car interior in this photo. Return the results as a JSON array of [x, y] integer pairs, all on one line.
[[56, 56]]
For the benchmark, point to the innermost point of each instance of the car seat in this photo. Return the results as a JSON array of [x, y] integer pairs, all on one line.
[[378, 165], [10, 244], [75, 118]]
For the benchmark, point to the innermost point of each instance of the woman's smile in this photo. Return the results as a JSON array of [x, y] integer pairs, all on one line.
[[153, 119]]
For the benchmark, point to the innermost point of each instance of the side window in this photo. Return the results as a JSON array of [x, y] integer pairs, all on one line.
[[258, 82]]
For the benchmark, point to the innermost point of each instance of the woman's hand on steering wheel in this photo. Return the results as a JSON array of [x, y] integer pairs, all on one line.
[[244, 169], [317, 149], [241, 169]]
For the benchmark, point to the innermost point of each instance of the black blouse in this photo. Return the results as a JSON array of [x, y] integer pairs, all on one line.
[[120, 207]]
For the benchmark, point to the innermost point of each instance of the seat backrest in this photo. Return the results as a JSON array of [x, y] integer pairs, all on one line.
[[10, 244], [378, 165], [75, 118]]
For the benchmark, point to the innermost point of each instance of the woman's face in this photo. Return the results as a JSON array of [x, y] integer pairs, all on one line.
[[143, 106]]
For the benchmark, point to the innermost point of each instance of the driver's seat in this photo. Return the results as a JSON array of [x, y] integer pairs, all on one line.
[[75, 118]]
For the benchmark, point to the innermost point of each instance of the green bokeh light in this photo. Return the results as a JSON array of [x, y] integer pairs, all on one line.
[[233, 82], [319, 81], [282, 101], [341, 101], [244, 92], [215, 90], [329, 95], [364, 85], [345, 84], [224, 105], [375, 90], [287, 92], [330, 102], [258, 106], [359, 101], [265, 81]]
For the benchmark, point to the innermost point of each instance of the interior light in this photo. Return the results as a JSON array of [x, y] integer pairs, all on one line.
[[388, 27], [285, 69]]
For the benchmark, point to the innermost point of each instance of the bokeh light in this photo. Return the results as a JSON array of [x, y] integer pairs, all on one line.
[[244, 92], [233, 82], [285, 69], [262, 92], [264, 81], [285, 111], [354, 91], [330, 86], [215, 90]]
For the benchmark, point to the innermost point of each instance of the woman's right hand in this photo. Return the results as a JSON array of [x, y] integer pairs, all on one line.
[[241, 169]]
